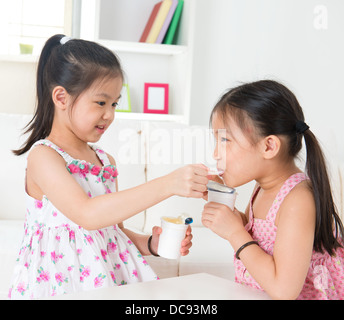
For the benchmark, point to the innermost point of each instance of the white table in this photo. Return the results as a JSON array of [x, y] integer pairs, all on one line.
[[200, 286]]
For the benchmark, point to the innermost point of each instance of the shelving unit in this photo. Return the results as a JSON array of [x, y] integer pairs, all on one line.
[[142, 62], [118, 26], [27, 58], [143, 48], [149, 116]]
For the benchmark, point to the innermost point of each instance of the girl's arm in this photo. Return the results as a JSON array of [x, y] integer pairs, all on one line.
[[141, 240], [47, 174], [283, 274]]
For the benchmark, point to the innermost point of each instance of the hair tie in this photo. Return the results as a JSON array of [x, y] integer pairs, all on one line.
[[65, 39], [301, 127]]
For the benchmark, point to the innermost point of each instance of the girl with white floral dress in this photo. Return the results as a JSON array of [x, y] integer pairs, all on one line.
[[74, 238]]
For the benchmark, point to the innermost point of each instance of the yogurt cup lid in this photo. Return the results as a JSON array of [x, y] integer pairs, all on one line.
[[215, 186]]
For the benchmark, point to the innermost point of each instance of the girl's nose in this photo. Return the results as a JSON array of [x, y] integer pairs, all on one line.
[[109, 113]]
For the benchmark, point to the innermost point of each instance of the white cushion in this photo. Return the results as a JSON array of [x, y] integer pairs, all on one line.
[[164, 268], [123, 141], [209, 253], [12, 171], [11, 234], [171, 146]]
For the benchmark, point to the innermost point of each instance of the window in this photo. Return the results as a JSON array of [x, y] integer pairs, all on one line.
[[32, 22]]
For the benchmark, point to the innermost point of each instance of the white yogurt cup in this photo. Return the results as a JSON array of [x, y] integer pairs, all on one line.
[[173, 233], [222, 194]]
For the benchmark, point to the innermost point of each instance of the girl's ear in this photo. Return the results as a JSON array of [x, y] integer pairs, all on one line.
[[271, 146], [60, 97]]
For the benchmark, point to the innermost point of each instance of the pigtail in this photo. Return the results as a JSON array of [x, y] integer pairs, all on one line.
[[327, 218], [41, 123], [73, 64]]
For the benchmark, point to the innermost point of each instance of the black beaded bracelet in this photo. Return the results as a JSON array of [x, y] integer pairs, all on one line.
[[149, 247], [243, 247]]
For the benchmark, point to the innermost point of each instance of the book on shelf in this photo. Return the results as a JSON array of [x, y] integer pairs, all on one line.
[[167, 22], [163, 22], [169, 38], [159, 21], [150, 22]]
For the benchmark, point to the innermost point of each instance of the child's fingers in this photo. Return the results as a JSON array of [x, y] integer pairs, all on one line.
[[188, 230], [209, 213], [187, 239], [186, 245], [199, 187], [156, 230], [200, 179], [200, 169]]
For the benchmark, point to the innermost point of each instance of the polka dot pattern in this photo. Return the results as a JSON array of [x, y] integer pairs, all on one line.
[[325, 278]]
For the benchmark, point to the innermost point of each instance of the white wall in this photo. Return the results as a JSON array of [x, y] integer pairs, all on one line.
[[246, 40]]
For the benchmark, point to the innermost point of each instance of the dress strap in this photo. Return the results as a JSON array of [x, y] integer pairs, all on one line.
[[250, 220], [101, 155], [60, 151], [288, 185]]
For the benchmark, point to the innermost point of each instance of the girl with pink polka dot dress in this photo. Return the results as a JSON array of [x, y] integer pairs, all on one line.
[[289, 241]]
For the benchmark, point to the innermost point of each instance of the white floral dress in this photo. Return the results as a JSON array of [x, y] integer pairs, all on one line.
[[58, 256]]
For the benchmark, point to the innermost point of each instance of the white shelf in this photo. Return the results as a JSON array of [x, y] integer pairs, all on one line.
[[28, 58], [141, 62], [140, 47], [117, 46], [149, 116]]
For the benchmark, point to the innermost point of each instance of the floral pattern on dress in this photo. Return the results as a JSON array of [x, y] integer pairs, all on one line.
[[58, 256]]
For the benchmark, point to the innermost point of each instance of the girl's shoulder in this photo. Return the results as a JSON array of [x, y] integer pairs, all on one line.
[[44, 150], [43, 159], [45, 165], [302, 192], [299, 202], [44, 145], [297, 188]]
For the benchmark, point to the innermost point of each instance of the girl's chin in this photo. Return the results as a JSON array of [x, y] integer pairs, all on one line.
[[228, 182], [93, 139]]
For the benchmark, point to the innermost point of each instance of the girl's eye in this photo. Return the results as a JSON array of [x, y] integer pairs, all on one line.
[[115, 104], [101, 103]]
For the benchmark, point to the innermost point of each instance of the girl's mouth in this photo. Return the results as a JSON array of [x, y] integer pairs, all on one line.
[[100, 129], [218, 172]]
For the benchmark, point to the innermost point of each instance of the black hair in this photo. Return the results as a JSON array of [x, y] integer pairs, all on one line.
[[274, 110], [74, 65]]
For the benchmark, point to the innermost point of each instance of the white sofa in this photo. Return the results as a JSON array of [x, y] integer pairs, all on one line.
[[143, 151]]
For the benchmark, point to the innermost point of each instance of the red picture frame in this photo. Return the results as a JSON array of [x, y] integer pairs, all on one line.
[[155, 98]]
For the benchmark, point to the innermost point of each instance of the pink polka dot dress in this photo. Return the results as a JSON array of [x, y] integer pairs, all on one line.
[[325, 277], [58, 256]]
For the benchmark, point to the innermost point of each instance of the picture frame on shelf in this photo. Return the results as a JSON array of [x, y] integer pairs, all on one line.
[[124, 104], [156, 98]]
